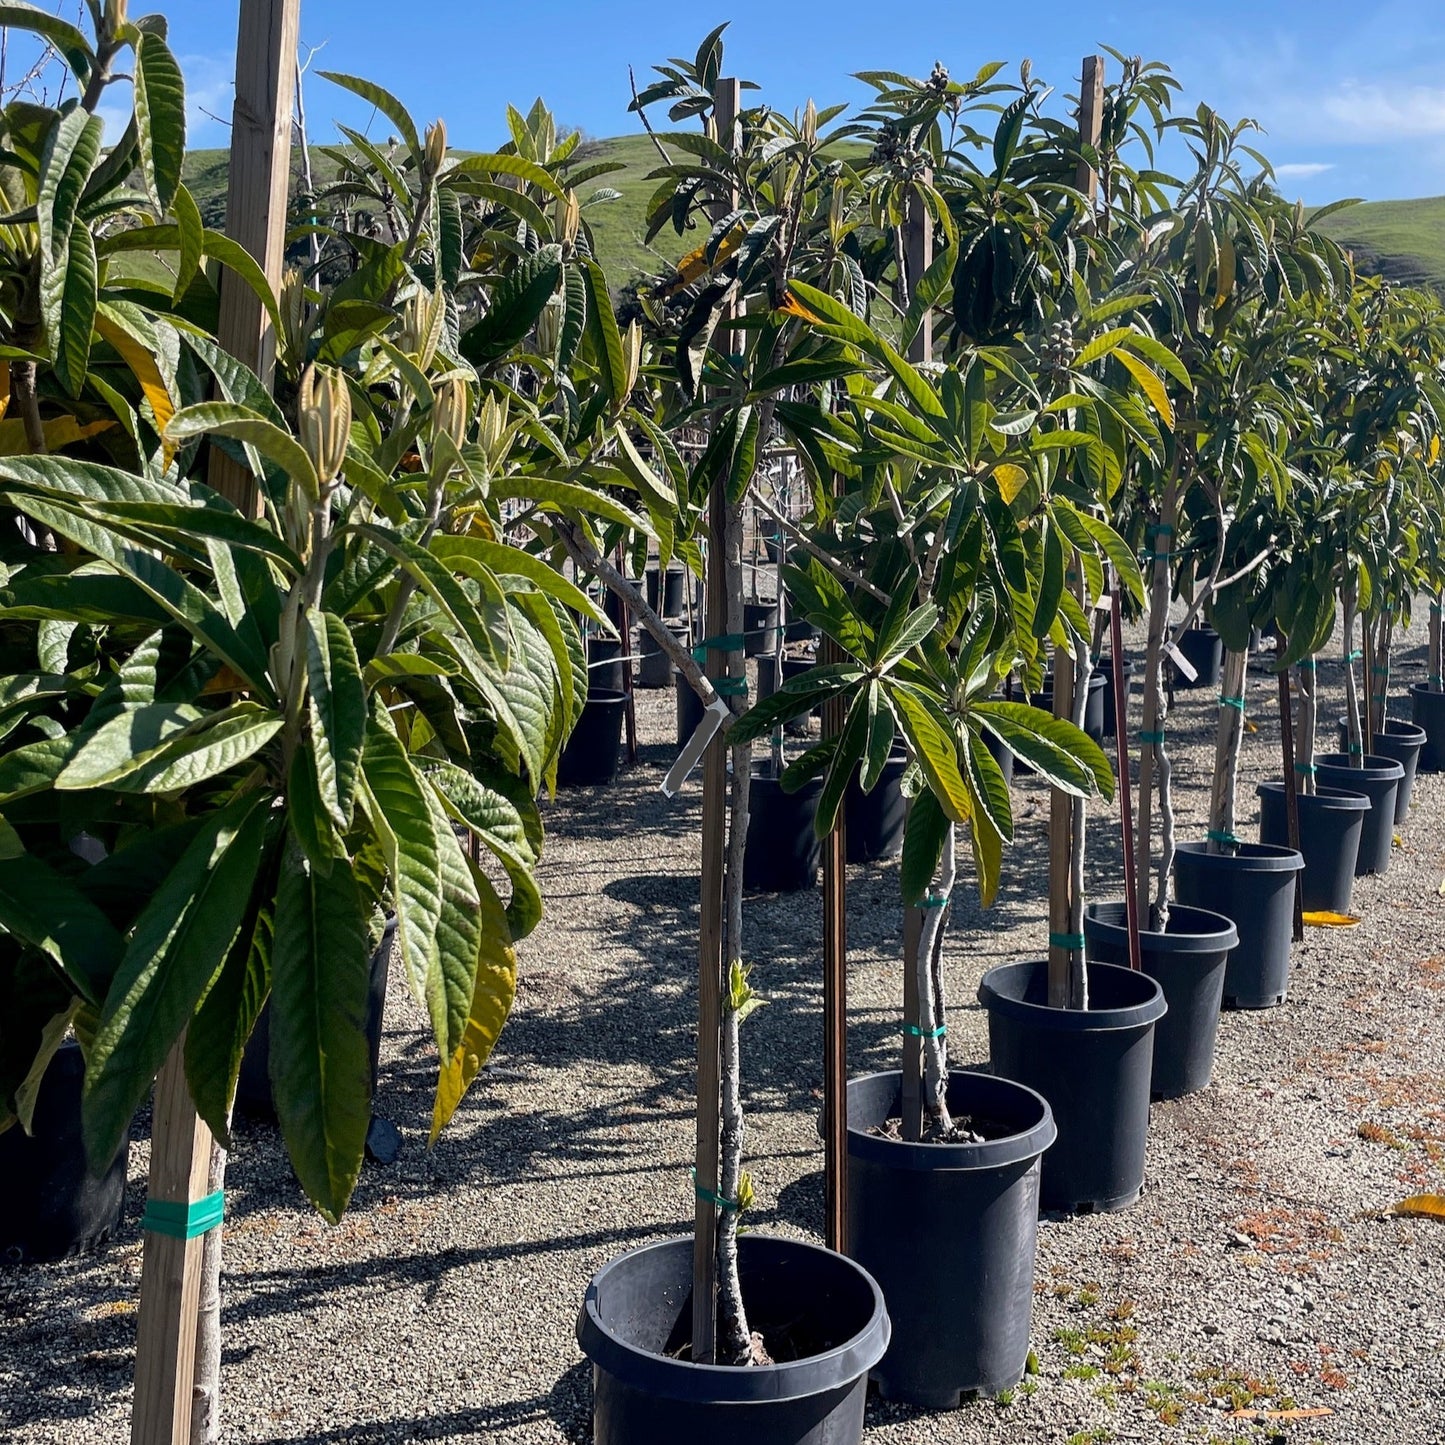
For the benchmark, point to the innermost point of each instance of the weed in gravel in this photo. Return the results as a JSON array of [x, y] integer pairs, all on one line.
[[1081, 1370], [1099, 1435]]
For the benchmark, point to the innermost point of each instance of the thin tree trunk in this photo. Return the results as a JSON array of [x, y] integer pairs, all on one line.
[[1437, 682], [1228, 738], [1304, 741], [206, 1392], [1354, 733], [1078, 821], [929, 963], [1380, 670]]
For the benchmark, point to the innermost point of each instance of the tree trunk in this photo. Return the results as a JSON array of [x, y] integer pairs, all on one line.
[[1228, 738], [206, 1393], [1304, 740], [1354, 733], [1436, 683], [928, 962]]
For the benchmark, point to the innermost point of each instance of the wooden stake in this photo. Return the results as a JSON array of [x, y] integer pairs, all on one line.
[[918, 257], [256, 194], [630, 707], [727, 102], [1091, 120], [171, 1268], [835, 998], [1291, 792]]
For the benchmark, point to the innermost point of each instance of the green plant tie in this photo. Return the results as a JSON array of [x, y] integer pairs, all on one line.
[[1215, 835], [1070, 941], [1380, 671], [1231, 702], [1353, 656], [1156, 739], [723, 642], [1160, 529], [1149, 556], [1434, 609], [1306, 664], [1307, 769], [184, 1221], [1357, 749], [1436, 680], [914, 1032], [935, 900], [729, 686], [711, 1196]]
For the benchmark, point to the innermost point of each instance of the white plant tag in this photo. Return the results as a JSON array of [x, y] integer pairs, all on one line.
[[1105, 602], [687, 759], [1191, 673]]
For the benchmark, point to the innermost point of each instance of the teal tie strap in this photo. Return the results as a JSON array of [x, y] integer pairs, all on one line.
[[1160, 529], [1306, 769], [1071, 941], [184, 1221], [723, 642], [1227, 838], [935, 900], [1353, 656], [729, 686], [1380, 671], [1155, 738], [914, 1032], [1237, 702], [711, 1196], [1306, 664], [1436, 680]]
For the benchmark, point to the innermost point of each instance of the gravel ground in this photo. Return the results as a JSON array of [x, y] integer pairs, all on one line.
[[1251, 1275]]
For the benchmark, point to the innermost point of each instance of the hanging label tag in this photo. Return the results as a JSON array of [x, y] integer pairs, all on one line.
[[1105, 602], [687, 759], [1191, 673]]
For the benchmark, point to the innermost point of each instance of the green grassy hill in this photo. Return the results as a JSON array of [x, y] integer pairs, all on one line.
[[1404, 240]]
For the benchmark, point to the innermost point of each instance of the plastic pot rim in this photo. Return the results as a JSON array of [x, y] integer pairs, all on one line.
[[1147, 1011], [1210, 932], [1380, 769], [1247, 858], [1335, 799], [733, 1384], [1027, 1144]]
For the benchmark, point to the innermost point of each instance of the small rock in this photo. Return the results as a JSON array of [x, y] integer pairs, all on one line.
[[1210, 1328], [1241, 1241]]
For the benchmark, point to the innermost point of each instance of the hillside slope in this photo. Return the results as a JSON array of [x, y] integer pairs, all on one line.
[[1404, 240]]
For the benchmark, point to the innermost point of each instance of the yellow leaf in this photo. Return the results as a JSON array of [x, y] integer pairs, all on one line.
[[1010, 479], [695, 265], [143, 367], [1434, 450], [1397, 841], [1151, 383], [1325, 919], [1419, 1206], [791, 306], [492, 996], [1249, 727], [4, 388], [60, 431]]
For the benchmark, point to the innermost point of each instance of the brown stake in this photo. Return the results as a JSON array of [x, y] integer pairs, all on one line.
[[1367, 656], [1126, 796], [630, 707], [1291, 792], [257, 182]]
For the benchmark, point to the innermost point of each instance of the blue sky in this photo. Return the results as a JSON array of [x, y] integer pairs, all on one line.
[[1352, 97]]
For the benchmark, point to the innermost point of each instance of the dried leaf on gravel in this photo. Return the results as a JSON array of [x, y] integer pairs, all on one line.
[[1325, 919], [1316, 1412], [1420, 1206]]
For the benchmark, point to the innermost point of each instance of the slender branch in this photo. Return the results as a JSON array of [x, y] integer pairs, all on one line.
[[839, 569], [642, 116]]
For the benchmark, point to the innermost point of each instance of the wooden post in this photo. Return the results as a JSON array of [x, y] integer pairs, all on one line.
[[256, 195], [1091, 120], [171, 1268], [918, 257], [727, 102], [1291, 790], [835, 999]]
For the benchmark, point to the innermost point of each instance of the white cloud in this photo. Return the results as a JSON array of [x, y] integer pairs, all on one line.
[[210, 83], [1372, 112], [1302, 170]]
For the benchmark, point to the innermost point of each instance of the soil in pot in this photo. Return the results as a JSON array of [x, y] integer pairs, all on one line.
[[1403, 742], [591, 755], [1188, 962], [52, 1207], [874, 821], [821, 1318], [1379, 780], [782, 853], [1203, 649], [1330, 824], [1105, 670], [1254, 887], [1428, 710], [253, 1084], [1093, 1066], [760, 628], [959, 1277]]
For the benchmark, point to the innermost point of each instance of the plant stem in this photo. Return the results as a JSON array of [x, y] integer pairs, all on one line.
[[928, 963], [1304, 739], [1228, 738], [1353, 730]]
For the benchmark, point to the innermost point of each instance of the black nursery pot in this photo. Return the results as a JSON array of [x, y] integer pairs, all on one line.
[[760, 628], [1204, 649], [1330, 825], [1255, 888], [1094, 704], [1093, 1066], [1379, 780], [958, 1275], [874, 821], [654, 666], [689, 707], [592, 753], [782, 853], [1188, 962], [821, 1317], [52, 1206], [668, 590], [1105, 670], [1402, 741], [605, 664], [253, 1084], [1002, 754], [1428, 710]]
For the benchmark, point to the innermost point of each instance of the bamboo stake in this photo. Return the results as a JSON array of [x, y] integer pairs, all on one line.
[[258, 180]]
